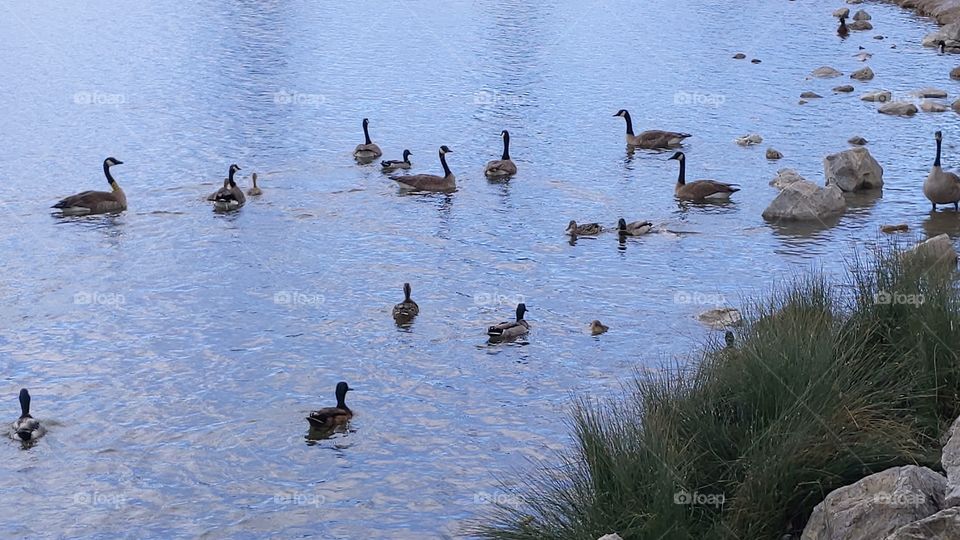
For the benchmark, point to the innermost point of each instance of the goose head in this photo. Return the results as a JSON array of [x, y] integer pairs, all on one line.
[[406, 155], [111, 161], [572, 226], [366, 122], [234, 168], [521, 309], [444, 150], [406, 291], [622, 225], [679, 156], [621, 112], [938, 136], [505, 134], [342, 389]]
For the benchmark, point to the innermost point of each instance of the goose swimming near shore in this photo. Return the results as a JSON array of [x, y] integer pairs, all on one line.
[[511, 329], [651, 139], [331, 417], [368, 151], [634, 228], [503, 167], [255, 190], [405, 311], [430, 182], [941, 187], [586, 229], [96, 202], [700, 189], [230, 197], [26, 428], [843, 31], [394, 164]]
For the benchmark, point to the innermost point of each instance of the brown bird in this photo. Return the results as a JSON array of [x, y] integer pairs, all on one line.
[[653, 138], [700, 189], [96, 202], [331, 417]]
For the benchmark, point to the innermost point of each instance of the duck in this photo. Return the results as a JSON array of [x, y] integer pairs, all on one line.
[[96, 202], [634, 228], [651, 139], [700, 189], [231, 196], [597, 328], [941, 187], [430, 182], [406, 310], [255, 191], [26, 428], [503, 167], [843, 31], [331, 417], [587, 229], [394, 164], [368, 151], [511, 329]]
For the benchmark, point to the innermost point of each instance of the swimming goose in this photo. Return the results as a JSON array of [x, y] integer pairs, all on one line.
[[511, 329], [653, 138], [255, 190], [96, 202], [368, 151], [331, 417], [406, 310], [843, 31], [699, 189], [503, 167], [941, 187], [634, 228], [430, 182], [587, 229], [597, 328], [231, 196], [394, 164], [26, 428]]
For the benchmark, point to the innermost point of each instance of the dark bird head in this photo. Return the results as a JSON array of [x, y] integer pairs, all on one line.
[[111, 161], [407, 154], [938, 135], [521, 309], [24, 403], [679, 156], [621, 112], [445, 150], [622, 225]]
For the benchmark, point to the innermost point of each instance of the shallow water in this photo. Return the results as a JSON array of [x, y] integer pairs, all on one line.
[[173, 352]]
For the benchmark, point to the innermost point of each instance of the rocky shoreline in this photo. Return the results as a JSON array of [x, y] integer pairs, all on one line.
[[944, 11]]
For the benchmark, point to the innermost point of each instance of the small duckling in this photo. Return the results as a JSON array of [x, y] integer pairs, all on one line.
[[331, 417], [597, 328], [26, 428], [394, 164], [255, 190], [509, 330], [634, 228], [587, 229], [405, 311]]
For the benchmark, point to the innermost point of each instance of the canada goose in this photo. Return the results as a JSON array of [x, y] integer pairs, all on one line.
[[597, 328], [511, 329], [406, 310], [430, 182], [843, 31], [587, 229], [634, 228], [394, 164], [224, 189], [941, 187], [503, 167], [230, 197], [96, 202], [26, 428], [331, 417], [699, 189], [728, 339], [368, 151], [653, 138], [941, 46], [255, 190]]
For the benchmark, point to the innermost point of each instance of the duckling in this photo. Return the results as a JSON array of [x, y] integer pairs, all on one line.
[[511, 329], [255, 190], [843, 31], [587, 229], [393, 164], [634, 228], [503, 167], [941, 187], [651, 139], [231, 197], [597, 328], [430, 182], [331, 417], [368, 151], [96, 202], [406, 310], [700, 189], [26, 428], [224, 189]]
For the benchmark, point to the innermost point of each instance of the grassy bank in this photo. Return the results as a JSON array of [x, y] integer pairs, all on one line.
[[825, 384]]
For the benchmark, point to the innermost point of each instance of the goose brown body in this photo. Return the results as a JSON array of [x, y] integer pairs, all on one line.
[[430, 182], [96, 202], [651, 139]]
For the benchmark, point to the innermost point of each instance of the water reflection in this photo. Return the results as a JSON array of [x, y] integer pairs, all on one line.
[[942, 222]]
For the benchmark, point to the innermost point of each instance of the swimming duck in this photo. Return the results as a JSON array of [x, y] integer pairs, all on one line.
[[394, 164], [26, 428], [503, 167], [331, 417], [368, 151], [843, 31], [634, 228], [941, 187], [700, 189], [430, 182], [231, 196], [597, 328], [651, 139], [587, 229], [96, 202], [255, 190], [406, 310], [511, 329]]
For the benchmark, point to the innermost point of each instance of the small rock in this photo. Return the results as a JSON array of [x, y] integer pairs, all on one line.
[[933, 106], [841, 12], [749, 140], [755, 61], [861, 15], [938, 249], [843, 88], [773, 154], [894, 228], [882, 96], [955, 106], [854, 1], [862, 74], [930, 92], [739, 56], [853, 170], [877, 37], [825, 72], [955, 73], [861, 25], [863, 56], [898, 108], [801, 200], [720, 317], [857, 140], [785, 177], [810, 95], [803, 102]]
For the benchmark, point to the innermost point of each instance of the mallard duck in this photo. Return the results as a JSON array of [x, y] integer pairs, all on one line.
[[331, 417], [255, 190], [406, 310], [503, 167], [634, 228], [587, 229], [430, 182], [941, 187], [699, 189], [651, 139], [394, 164], [597, 328], [368, 151], [231, 196], [96, 202], [26, 428], [511, 329]]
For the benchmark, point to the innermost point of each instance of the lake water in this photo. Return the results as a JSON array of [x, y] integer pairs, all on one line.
[[174, 352]]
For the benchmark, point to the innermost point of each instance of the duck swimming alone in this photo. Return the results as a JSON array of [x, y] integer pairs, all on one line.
[[405, 311], [331, 417], [651, 139], [368, 151], [26, 428], [699, 190]]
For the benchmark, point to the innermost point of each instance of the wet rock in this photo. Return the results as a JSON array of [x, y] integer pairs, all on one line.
[[803, 102], [841, 12], [948, 33], [755, 61], [955, 106], [930, 93], [931, 106], [861, 25], [862, 74], [853, 170], [951, 464], [944, 525], [878, 36], [739, 56], [825, 72], [785, 177], [955, 73], [801, 200], [854, 1], [857, 140], [843, 88], [882, 96], [861, 15], [611, 536], [749, 140], [900, 227], [810, 95], [773, 154], [898, 108], [863, 56], [877, 505], [720, 317], [936, 250]]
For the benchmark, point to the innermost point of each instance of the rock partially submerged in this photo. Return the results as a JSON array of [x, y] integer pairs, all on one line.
[[785, 177], [861, 15], [900, 227], [842, 12], [720, 317], [898, 108], [857, 140], [949, 34], [749, 140], [843, 88], [933, 106], [810, 95], [800, 200], [853, 170], [882, 96], [773, 154], [936, 250], [862, 74], [860, 25], [739, 56], [825, 72], [930, 93]]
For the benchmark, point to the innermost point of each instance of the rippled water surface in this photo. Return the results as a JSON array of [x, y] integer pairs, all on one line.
[[174, 352]]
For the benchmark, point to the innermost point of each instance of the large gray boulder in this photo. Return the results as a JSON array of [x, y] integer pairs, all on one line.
[[944, 525], [853, 170], [949, 33], [877, 505], [951, 462], [800, 200]]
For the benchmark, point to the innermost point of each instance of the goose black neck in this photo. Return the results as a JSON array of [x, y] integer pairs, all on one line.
[[626, 116], [106, 172], [506, 146], [406, 293], [936, 162], [366, 134], [520, 312], [232, 172], [443, 161], [24, 403], [682, 178]]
